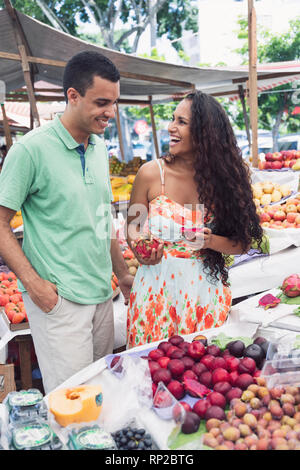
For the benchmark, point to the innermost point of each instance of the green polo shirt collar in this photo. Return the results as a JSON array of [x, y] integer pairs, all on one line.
[[66, 137]]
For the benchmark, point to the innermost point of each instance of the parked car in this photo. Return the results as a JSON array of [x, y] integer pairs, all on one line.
[[265, 145], [289, 142]]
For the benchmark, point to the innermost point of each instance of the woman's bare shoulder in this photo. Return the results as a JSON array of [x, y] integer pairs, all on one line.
[[148, 172]]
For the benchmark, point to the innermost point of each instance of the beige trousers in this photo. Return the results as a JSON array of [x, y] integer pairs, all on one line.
[[69, 337]]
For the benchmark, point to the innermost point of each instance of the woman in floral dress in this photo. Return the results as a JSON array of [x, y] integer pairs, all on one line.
[[198, 203]]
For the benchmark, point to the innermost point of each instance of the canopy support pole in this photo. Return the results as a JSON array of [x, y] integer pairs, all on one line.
[[26, 67], [7, 132], [246, 119], [253, 103], [120, 132], [153, 128]]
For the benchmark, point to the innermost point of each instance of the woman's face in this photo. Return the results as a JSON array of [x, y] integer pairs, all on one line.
[[179, 130]]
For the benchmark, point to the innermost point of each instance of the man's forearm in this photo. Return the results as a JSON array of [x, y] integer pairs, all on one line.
[[119, 266], [14, 257]]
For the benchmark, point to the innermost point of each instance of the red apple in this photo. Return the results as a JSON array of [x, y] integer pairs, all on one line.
[[177, 389], [247, 365], [277, 165], [196, 350], [155, 354], [220, 375], [219, 362], [264, 217], [201, 406], [207, 360], [232, 363], [176, 367], [277, 156], [269, 157], [279, 215], [217, 399], [233, 376]]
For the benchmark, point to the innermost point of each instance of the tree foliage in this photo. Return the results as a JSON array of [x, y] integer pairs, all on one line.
[[275, 107], [173, 16]]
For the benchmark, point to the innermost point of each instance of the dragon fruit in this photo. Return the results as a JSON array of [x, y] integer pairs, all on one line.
[[195, 389], [269, 301], [291, 285], [145, 245]]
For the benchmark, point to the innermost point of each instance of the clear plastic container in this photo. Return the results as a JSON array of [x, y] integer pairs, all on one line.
[[33, 435], [25, 405], [282, 365], [90, 437]]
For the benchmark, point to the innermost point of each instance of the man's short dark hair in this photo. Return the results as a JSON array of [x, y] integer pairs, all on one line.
[[81, 69]]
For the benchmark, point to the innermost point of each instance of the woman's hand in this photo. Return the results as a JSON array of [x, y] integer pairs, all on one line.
[[201, 240], [155, 257]]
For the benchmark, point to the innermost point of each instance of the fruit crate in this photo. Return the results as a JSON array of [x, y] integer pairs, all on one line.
[[13, 326]]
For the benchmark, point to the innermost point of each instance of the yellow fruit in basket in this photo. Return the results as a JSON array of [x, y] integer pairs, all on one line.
[[268, 187], [257, 193], [297, 165], [256, 202], [276, 195], [285, 190], [290, 208], [266, 199]]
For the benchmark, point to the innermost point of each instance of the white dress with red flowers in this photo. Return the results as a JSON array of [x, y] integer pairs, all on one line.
[[174, 296]]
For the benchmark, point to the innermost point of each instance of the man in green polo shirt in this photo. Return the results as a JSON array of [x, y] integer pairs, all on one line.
[[58, 175]]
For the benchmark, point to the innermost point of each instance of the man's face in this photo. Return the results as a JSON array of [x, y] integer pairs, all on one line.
[[92, 111]]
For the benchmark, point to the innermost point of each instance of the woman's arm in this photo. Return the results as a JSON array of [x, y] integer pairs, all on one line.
[[225, 245], [138, 212]]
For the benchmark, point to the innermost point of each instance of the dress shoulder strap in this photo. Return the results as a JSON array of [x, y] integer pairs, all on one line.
[[160, 163]]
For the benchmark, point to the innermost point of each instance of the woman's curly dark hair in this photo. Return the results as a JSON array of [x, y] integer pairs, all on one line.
[[223, 180]]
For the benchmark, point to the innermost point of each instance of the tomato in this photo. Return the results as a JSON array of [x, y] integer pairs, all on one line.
[[4, 299], [15, 298], [10, 291], [11, 276], [9, 306], [18, 317], [5, 282]]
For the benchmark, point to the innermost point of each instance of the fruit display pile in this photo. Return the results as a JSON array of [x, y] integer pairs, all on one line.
[[261, 419], [283, 159], [11, 299], [281, 216], [116, 167], [266, 192], [213, 377]]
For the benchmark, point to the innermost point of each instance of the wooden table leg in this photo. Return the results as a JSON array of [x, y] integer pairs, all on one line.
[[24, 342]]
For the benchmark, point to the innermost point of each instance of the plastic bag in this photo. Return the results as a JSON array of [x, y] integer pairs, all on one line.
[[130, 391]]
